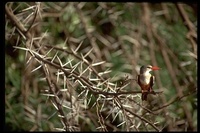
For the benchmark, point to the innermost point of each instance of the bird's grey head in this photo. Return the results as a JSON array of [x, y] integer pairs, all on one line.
[[144, 69]]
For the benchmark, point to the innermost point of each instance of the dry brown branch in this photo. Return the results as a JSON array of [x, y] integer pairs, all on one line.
[[192, 35], [13, 18], [34, 18], [54, 90], [175, 99], [173, 77], [165, 11], [101, 120], [152, 53], [143, 119]]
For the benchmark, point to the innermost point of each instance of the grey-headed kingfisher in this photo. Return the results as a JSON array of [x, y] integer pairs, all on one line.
[[146, 80]]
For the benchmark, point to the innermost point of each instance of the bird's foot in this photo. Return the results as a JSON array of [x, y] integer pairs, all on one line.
[[152, 92]]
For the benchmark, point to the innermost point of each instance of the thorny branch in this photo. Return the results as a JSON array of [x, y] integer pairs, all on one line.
[[28, 38], [55, 99]]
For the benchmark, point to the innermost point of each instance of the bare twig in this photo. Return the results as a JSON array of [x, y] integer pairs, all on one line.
[[192, 35], [175, 99], [152, 52]]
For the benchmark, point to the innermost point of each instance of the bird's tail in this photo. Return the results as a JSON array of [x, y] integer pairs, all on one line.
[[144, 96]]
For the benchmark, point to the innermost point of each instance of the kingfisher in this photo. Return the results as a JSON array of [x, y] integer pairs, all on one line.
[[146, 80]]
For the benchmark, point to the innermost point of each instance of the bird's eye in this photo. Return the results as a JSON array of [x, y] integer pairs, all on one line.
[[149, 67]]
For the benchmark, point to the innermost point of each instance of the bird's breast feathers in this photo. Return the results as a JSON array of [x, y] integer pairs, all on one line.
[[145, 79]]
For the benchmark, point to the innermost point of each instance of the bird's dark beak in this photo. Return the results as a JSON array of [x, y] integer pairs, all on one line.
[[155, 68]]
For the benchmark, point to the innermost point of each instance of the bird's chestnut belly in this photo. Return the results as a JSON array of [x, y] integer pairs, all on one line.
[[145, 87]]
